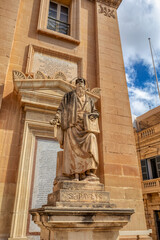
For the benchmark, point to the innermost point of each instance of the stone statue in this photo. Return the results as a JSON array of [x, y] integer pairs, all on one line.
[[77, 120]]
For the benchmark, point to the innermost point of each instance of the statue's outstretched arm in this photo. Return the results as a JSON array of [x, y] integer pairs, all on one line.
[[57, 118]]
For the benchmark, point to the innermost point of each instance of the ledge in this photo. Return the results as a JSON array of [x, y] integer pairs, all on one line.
[[44, 93], [80, 218], [58, 35]]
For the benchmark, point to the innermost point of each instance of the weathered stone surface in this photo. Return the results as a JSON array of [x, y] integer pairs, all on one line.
[[84, 205], [102, 219], [79, 193], [77, 207], [71, 185], [64, 195], [87, 224]]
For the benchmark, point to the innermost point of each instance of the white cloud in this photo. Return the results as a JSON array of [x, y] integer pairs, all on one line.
[[143, 99], [139, 20]]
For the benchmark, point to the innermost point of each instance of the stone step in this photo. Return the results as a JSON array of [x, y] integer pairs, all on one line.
[[66, 195], [78, 185]]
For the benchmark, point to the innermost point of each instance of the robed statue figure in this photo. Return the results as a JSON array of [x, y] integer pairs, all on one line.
[[75, 116]]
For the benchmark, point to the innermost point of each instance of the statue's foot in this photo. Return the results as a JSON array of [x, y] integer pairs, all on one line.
[[91, 179], [82, 176], [76, 177], [91, 173]]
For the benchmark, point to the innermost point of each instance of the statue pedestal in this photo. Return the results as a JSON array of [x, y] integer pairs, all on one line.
[[80, 211]]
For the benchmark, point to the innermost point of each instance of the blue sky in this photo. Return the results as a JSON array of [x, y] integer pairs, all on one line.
[[139, 20]]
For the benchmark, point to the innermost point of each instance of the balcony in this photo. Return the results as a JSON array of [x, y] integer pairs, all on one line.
[[58, 26], [151, 186]]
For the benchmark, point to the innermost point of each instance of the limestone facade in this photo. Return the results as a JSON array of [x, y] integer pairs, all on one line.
[[91, 50], [147, 138]]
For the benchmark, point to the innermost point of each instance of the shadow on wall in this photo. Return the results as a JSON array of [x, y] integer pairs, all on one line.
[[11, 128]]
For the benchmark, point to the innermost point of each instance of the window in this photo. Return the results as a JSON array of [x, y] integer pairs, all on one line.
[[58, 18], [150, 168]]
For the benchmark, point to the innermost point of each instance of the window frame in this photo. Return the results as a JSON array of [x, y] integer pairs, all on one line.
[[149, 169], [59, 5], [74, 21]]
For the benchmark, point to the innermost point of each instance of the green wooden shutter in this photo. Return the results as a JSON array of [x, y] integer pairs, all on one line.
[[144, 168]]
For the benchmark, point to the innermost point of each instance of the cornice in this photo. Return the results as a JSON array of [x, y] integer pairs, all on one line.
[[109, 3], [43, 92]]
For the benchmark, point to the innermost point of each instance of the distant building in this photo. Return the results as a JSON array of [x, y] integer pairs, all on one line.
[[147, 138]]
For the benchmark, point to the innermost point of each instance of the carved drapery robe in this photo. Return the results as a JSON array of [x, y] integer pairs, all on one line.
[[80, 147]]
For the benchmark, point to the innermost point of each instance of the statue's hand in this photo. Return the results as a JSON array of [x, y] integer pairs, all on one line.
[[93, 116]]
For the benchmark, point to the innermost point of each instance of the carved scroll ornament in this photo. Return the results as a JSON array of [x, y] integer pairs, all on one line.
[[106, 11]]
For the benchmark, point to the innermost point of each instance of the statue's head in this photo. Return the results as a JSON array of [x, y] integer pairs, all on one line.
[[80, 82]]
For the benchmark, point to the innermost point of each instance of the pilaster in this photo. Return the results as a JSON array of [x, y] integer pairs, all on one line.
[[118, 150]]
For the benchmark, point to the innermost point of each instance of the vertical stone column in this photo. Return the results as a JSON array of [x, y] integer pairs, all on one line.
[[121, 173], [8, 19]]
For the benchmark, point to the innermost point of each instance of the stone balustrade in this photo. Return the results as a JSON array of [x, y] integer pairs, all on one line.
[[152, 185]]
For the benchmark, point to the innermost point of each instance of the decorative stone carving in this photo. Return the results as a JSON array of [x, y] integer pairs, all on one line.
[[40, 75], [18, 75], [29, 77], [110, 3], [60, 75], [106, 11]]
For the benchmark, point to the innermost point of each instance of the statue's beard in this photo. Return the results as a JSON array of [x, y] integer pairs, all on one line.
[[80, 91]]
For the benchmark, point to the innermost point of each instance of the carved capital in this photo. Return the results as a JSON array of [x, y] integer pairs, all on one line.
[[110, 3]]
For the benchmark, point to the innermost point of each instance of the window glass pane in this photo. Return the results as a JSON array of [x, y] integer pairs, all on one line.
[[64, 18], [53, 10], [64, 10], [64, 14]]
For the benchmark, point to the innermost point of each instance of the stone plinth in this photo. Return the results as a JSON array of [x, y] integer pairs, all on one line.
[[88, 224], [79, 194], [80, 210]]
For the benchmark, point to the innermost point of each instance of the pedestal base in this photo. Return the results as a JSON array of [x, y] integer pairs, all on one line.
[[80, 211], [89, 235], [79, 224]]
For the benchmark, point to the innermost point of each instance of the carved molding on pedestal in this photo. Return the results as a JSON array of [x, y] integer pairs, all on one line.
[[109, 3]]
